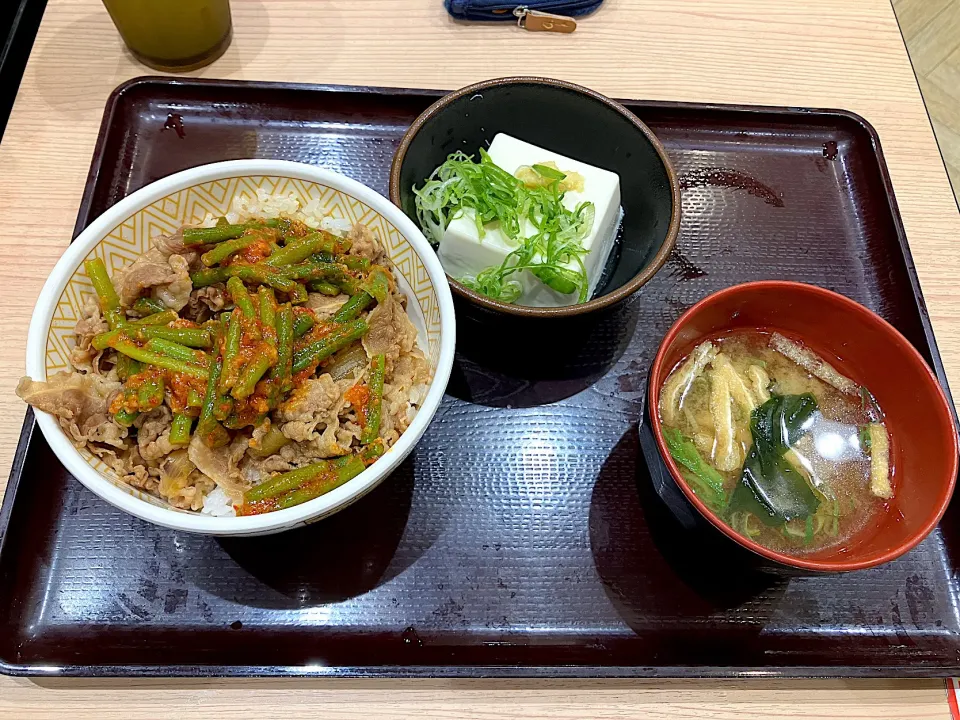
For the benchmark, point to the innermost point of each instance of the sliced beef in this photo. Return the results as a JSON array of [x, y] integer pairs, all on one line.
[[315, 401], [220, 464], [181, 484], [164, 269], [132, 469], [204, 302], [391, 332], [365, 244], [405, 390], [79, 402], [153, 435], [325, 306], [311, 418], [91, 323]]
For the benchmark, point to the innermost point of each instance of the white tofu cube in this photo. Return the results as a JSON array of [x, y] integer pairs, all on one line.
[[463, 252]]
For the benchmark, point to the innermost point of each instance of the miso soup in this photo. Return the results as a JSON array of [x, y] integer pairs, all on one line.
[[785, 449]]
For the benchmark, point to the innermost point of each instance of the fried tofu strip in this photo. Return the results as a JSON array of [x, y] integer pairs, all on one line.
[[741, 394], [727, 450], [760, 381], [813, 364], [704, 444], [879, 461], [679, 382]]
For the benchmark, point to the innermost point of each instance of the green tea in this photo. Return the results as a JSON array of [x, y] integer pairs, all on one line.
[[173, 34]]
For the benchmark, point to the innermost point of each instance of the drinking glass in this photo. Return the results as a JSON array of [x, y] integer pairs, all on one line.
[[173, 34]]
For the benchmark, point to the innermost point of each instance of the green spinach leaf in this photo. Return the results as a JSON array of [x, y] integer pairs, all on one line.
[[704, 479], [770, 487]]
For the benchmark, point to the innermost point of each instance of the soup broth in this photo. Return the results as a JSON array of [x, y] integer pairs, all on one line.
[[785, 449]]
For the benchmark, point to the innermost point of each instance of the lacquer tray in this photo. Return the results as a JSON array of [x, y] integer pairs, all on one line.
[[522, 538]]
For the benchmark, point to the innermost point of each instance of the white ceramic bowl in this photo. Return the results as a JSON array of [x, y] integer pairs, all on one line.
[[123, 232]]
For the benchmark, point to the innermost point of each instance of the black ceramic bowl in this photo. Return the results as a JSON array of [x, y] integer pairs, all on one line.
[[570, 120]]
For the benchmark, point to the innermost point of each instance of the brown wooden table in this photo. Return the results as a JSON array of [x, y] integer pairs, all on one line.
[[822, 53]]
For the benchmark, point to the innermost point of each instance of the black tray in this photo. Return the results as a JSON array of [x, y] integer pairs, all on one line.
[[523, 536]]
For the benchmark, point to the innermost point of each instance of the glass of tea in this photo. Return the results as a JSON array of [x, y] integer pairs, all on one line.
[[173, 35]]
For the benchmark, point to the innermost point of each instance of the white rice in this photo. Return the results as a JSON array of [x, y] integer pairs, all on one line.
[[335, 226], [217, 504], [266, 205], [418, 393], [270, 206]]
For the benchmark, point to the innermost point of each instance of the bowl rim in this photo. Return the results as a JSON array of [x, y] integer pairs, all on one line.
[[279, 520], [657, 369], [611, 298]]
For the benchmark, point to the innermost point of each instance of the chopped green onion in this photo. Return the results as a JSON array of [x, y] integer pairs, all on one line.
[[549, 172], [553, 254]]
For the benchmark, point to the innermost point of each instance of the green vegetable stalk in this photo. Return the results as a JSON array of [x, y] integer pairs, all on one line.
[[314, 270], [342, 336], [704, 479], [241, 298], [324, 288], [350, 469], [269, 444], [285, 326], [125, 418], [106, 294], [150, 395], [302, 248], [268, 307], [231, 351], [148, 306], [371, 431], [149, 357], [294, 479], [255, 273], [191, 337], [177, 351], [378, 285], [253, 371], [224, 250], [353, 307], [164, 317], [180, 430], [205, 236], [302, 323], [353, 262], [127, 367], [211, 431]]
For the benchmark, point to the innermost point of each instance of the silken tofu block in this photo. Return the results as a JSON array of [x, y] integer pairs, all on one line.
[[463, 252]]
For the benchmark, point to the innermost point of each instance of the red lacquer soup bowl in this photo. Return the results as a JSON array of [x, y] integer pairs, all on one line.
[[860, 344]]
